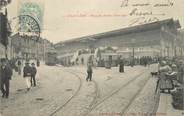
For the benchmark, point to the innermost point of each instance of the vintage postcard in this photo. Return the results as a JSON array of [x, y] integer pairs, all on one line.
[[91, 58]]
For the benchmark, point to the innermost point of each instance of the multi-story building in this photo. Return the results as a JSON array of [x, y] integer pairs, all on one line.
[[154, 39], [28, 47]]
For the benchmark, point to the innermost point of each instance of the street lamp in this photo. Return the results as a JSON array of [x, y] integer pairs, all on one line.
[[175, 47], [133, 52], [5, 31]]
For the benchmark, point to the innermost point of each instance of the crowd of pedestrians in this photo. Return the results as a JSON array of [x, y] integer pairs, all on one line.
[[171, 80], [6, 72]]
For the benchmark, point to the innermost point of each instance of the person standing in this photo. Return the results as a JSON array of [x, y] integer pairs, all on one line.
[[181, 72], [89, 72], [6, 74], [27, 75], [82, 61], [33, 74], [19, 66], [38, 62], [121, 66], [164, 81]]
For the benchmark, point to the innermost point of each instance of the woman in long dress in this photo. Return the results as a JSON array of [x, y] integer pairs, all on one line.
[[165, 82]]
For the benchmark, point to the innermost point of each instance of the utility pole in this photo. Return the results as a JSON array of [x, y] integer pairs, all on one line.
[[4, 31], [44, 49], [133, 52], [175, 48]]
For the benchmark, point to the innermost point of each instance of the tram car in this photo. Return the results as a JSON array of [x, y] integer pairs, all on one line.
[[65, 60], [109, 59], [50, 58]]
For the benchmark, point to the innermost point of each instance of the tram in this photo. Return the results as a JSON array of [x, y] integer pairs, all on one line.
[[65, 60], [50, 58], [110, 59]]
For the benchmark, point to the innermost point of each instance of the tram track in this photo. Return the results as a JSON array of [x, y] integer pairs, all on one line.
[[113, 93], [68, 101], [97, 93], [123, 112], [96, 97], [96, 102]]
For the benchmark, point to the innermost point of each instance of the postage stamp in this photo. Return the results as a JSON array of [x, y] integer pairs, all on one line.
[[33, 9]]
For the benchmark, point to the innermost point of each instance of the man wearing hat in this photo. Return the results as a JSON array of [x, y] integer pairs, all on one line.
[[6, 73], [27, 75], [33, 74]]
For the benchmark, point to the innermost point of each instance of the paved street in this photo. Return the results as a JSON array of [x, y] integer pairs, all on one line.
[[63, 91]]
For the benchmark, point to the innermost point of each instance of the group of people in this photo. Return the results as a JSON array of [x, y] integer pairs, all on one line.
[[171, 74], [145, 60], [29, 73], [171, 80], [6, 72]]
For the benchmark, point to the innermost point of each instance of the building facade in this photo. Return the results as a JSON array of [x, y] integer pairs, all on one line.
[[154, 39], [28, 48]]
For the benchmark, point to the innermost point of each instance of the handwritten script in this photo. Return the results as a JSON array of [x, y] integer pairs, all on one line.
[[161, 3], [142, 20], [142, 12], [136, 11]]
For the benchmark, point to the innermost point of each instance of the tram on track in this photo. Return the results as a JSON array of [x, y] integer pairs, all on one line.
[[51, 58]]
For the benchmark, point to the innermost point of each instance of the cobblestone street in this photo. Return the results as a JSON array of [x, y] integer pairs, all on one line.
[[91, 58], [63, 91]]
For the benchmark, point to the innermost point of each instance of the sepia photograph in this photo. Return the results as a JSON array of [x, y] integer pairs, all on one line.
[[91, 58]]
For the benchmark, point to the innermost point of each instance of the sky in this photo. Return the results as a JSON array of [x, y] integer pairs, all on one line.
[[68, 19]]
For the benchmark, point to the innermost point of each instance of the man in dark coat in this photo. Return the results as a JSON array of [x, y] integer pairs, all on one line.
[[121, 66], [6, 73], [89, 72], [19, 66], [33, 74], [38, 62], [27, 75]]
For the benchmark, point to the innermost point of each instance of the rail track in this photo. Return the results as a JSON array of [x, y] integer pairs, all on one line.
[[123, 112], [96, 97], [112, 93], [96, 102], [75, 94]]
